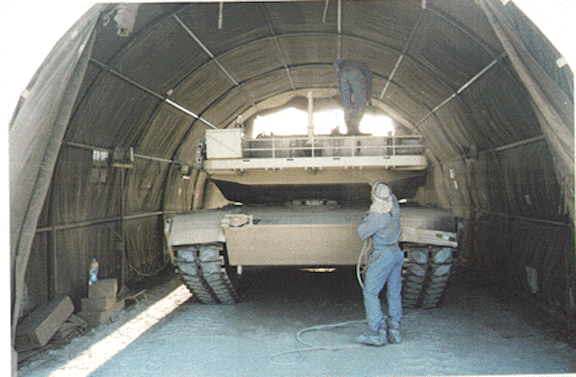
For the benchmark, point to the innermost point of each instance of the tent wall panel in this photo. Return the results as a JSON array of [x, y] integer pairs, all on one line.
[[207, 84], [113, 113], [531, 257], [448, 52], [241, 23], [162, 70], [37, 280], [381, 22], [300, 49]]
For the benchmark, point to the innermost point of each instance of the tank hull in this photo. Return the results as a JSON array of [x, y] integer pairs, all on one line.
[[211, 247], [306, 235]]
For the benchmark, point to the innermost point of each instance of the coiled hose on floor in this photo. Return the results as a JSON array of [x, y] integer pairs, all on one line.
[[362, 261]]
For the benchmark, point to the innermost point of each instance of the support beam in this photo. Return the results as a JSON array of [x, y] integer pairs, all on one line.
[[311, 120], [516, 144], [84, 224], [519, 143], [528, 219], [140, 156]]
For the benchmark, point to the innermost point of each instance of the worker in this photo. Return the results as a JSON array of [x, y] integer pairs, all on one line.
[[384, 267], [355, 84]]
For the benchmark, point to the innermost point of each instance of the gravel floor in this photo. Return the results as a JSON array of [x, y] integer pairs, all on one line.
[[473, 333]]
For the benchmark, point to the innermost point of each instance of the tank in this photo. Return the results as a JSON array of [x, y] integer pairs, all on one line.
[[297, 201]]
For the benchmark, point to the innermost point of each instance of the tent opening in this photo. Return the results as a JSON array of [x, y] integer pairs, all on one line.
[[293, 121]]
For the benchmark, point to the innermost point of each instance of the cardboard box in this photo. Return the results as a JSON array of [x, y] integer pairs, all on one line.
[[72, 323], [96, 318], [41, 325], [103, 288], [101, 304]]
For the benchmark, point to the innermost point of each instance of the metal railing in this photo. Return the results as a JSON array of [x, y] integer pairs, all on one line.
[[331, 146]]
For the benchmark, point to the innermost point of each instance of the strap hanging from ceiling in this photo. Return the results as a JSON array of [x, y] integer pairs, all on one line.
[[325, 11], [339, 27], [220, 15]]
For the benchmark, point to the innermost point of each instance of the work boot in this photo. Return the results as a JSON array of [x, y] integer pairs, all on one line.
[[374, 339], [393, 332]]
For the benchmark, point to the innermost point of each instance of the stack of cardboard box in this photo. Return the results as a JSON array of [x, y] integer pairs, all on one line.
[[101, 304]]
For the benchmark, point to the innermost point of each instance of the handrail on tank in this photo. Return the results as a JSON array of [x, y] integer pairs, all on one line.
[[331, 146]]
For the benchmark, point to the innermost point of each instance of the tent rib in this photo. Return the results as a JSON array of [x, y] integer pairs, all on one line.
[[462, 88], [275, 39], [401, 57], [150, 91], [362, 39], [212, 57], [105, 68], [260, 76]]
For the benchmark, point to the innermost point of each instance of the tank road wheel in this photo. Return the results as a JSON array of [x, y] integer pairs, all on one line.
[[204, 272], [425, 276]]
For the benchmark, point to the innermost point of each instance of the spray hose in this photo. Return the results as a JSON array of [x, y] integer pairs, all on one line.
[[363, 260]]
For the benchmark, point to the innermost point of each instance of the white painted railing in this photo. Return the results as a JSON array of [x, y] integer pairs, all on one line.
[[331, 146]]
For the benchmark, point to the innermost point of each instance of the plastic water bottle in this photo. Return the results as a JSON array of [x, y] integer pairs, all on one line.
[[93, 272]]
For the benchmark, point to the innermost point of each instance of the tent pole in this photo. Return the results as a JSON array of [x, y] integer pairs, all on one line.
[[122, 225]]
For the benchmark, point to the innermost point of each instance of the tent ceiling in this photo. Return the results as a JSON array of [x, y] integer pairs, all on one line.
[[420, 58], [439, 70], [179, 68]]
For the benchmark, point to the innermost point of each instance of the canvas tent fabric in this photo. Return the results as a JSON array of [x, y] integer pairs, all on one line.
[[36, 135], [478, 81]]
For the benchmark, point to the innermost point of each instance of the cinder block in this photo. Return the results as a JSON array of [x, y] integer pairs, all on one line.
[[101, 304], [41, 325], [103, 288]]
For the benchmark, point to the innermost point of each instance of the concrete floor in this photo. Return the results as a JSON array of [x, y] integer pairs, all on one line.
[[473, 333]]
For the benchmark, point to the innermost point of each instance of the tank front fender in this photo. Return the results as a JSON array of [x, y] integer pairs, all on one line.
[[199, 227]]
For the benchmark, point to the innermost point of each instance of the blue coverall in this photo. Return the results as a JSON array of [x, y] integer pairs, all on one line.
[[384, 265], [355, 84]]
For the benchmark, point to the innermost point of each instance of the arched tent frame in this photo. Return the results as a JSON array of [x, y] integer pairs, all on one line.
[[479, 77]]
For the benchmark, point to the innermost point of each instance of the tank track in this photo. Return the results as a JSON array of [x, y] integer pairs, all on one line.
[[204, 271], [425, 276]]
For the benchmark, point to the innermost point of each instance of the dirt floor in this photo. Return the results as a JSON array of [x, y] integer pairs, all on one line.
[[473, 333]]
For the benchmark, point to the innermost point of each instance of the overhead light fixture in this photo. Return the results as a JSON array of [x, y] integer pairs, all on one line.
[[186, 171]]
